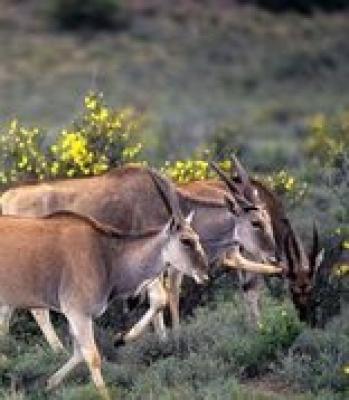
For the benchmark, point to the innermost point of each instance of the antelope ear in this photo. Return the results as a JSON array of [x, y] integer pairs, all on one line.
[[190, 217], [319, 258], [232, 205]]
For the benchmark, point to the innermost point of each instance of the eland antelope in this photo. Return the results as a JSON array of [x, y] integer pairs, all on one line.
[[127, 198], [75, 265]]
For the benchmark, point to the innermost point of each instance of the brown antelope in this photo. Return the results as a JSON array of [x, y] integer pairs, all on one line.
[[75, 265], [300, 268], [127, 198]]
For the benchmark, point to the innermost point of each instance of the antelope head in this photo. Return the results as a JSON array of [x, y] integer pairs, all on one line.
[[183, 250], [302, 269], [253, 233]]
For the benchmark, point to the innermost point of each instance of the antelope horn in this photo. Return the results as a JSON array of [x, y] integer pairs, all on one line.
[[237, 261], [315, 246], [241, 172], [289, 255], [244, 203], [250, 192], [231, 185], [294, 244], [167, 192]]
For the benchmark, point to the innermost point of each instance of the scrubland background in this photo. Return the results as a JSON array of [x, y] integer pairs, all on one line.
[[265, 79]]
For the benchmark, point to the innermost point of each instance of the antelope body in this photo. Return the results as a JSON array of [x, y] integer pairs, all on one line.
[[73, 264], [127, 198]]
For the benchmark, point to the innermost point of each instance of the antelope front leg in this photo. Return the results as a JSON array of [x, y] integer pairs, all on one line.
[[158, 300], [251, 290], [175, 281], [81, 327], [42, 317], [5, 317], [159, 326], [74, 361]]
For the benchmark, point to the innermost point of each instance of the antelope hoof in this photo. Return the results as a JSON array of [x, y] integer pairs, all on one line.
[[119, 339]]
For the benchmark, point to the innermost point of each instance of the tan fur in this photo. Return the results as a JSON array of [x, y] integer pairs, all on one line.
[[110, 199]]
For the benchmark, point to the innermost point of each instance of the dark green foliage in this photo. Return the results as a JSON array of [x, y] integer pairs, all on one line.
[[250, 81], [202, 361], [90, 14], [317, 358], [302, 6]]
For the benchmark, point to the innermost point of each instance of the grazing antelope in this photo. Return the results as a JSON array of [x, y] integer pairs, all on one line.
[[127, 198], [75, 265], [300, 268]]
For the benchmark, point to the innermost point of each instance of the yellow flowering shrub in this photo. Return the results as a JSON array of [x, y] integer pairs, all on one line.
[[341, 270], [102, 137], [184, 171], [285, 184], [21, 154], [328, 137]]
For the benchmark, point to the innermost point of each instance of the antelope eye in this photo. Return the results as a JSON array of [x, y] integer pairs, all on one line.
[[257, 224]]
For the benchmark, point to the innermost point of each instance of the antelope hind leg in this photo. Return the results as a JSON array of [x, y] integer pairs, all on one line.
[[158, 300], [74, 361], [42, 317]]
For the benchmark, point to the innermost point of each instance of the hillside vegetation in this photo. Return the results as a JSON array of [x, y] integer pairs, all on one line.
[[183, 84]]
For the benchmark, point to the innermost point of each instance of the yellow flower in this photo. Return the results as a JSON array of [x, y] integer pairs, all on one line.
[[54, 168], [90, 102], [318, 122], [346, 245], [342, 270], [104, 114], [346, 369], [13, 124]]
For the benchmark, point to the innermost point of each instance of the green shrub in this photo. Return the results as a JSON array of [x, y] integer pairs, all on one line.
[[288, 186], [100, 138], [328, 138], [192, 170], [319, 359], [93, 14], [303, 6], [22, 153], [250, 354]]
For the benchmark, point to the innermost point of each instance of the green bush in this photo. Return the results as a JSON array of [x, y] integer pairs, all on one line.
[[319, 359], [21, 153], [192, 170], [303, 6], [92, 14], [291, 188], [101, 137], [328, 138]]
